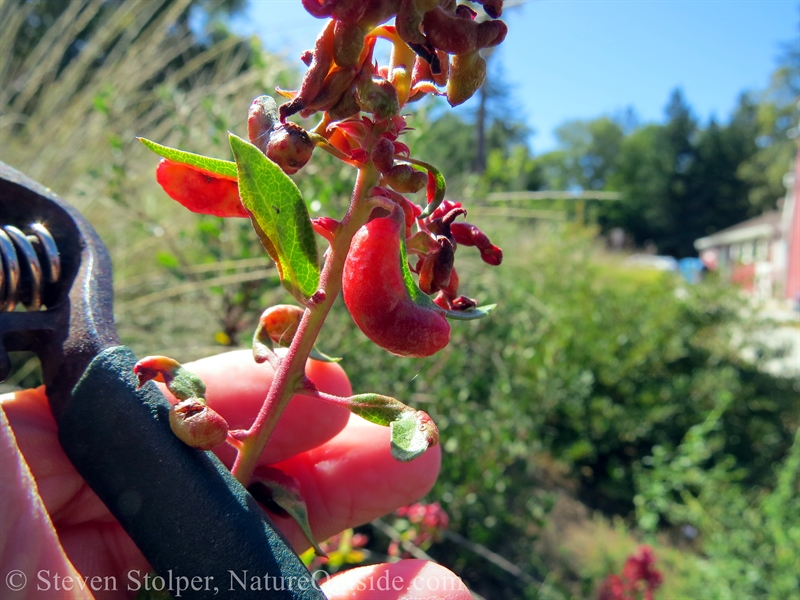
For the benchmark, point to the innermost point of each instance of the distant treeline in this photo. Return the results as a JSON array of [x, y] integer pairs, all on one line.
[[680, 179]]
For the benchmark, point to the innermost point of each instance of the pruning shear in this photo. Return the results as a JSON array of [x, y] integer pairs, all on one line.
[[184, 510]]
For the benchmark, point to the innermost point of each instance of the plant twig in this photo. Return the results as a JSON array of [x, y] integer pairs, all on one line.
[[291, 373]]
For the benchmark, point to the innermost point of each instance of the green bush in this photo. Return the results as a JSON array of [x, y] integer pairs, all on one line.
[[586, 362]]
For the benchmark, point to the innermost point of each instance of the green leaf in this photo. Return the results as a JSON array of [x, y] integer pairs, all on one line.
[[412, 434], [412, 431], [184, 384], [215, 166], [322, 357], [285, 491], [471, 314], [436, 195], [419, 297], [381, 410], [280, 218]]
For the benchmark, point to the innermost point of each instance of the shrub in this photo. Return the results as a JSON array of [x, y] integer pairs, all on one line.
[[588, 363]]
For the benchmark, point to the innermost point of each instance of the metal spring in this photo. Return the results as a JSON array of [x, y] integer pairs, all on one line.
[[23, 257]]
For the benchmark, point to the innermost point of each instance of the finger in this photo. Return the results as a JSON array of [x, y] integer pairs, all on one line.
[[350, 480], [353, 479], [236, 388], [66, 496], [24, 519], [407, 579]]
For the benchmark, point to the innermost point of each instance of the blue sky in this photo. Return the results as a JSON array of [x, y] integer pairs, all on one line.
[[579, 59]]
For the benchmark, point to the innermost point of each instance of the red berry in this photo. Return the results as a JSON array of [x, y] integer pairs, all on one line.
[[290, 147], [197, 425], [376, 296]]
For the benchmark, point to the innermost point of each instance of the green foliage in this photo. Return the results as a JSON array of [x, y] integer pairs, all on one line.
[[584, 362], [448, 141], [280, 216], [775, 115], [431, 130], [750, 536], [679, 182], [510, 170], [226, 168], [587, 156]]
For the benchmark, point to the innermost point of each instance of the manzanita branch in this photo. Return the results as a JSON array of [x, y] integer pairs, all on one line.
[[289, 376], [435, 43]]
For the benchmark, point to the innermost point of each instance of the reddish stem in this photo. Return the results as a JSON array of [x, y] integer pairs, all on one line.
[[290, 375]]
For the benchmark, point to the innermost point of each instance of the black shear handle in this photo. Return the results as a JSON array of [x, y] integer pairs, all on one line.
[[201, 531]]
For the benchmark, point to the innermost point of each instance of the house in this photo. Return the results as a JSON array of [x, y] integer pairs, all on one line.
[[762, 255]]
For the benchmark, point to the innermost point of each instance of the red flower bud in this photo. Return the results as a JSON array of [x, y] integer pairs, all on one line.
[[443, 75], [349, 11], [443, 209], [280, 322], [436, 268], [469, 235], [383, 155], [290, 147], [409, 21], [410, 210], [491, 33], [155, 368], [467, 72], [449, 32], [321, 9], [377, 96], [421, 71], [315, 75], [348, 43], [493, 8], [492, 255], [327, 227], [197, 425], [406, 180], [465, 12], [336, 84], [463, 303], [345, 107]]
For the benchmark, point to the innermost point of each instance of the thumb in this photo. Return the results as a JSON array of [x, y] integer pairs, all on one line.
[[28, 541]]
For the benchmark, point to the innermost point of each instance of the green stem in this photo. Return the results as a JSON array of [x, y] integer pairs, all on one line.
[[289, 376]]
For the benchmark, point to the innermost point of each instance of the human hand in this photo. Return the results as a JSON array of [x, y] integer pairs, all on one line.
[[56, 533]]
